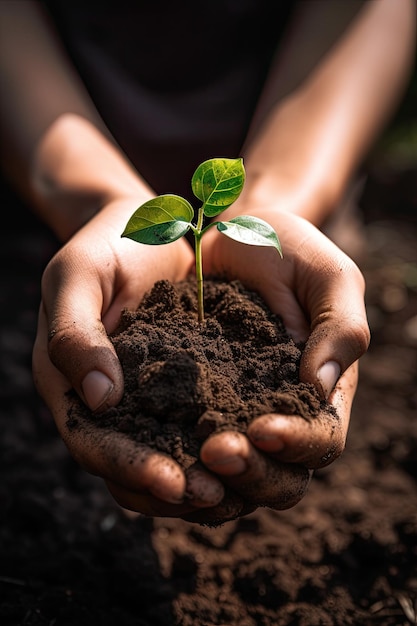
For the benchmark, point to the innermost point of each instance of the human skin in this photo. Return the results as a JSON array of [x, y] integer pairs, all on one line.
[[69, 168]]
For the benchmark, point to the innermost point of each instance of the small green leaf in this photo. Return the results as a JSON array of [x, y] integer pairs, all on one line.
[[250, 230], [218, 183], [160, 220]]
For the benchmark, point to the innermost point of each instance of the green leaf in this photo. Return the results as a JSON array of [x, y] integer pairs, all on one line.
[[218, 183], [250, 230], [160, 220]]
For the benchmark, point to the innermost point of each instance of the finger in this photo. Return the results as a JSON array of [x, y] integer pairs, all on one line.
[[231, 507], [49, 381], [339, 329], [202, 491], [256, 477], [105, 453], [145, 503], [134, 467], [78, 344], [316, 442], [98, 388]]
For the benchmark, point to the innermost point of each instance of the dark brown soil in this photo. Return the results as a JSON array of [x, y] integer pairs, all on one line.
[[345, 555], [185, 380]]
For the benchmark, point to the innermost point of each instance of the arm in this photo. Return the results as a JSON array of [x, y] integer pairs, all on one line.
[[54, 146], [305, 145], [301, 152], [58, 153]]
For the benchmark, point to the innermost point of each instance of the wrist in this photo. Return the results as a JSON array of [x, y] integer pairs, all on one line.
[[76, 171], [304, 198], [295, 164]]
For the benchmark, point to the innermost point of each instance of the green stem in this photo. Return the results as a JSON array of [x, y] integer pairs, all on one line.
[[199, 277], [199, 265]]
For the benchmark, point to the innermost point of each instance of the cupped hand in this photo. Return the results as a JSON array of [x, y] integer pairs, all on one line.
[[319, 293], [84, 288], [97, 273]]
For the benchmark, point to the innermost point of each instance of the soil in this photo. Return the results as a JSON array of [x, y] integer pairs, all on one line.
[[185, 379], [345, 555]]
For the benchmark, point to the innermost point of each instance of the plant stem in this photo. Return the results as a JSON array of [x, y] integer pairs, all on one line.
[[199, 277], [199, 265]]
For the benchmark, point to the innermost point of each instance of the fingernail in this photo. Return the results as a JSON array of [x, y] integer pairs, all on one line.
[[96, 388], [328, 376], [231, 466]]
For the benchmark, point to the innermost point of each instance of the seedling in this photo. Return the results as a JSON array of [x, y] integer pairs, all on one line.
[[166, 218]]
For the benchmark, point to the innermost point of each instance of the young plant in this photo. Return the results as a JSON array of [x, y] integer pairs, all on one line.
[[166, 218]]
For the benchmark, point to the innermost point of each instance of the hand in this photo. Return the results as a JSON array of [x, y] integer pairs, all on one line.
[[84, 288], [319, 292], [87, 309]]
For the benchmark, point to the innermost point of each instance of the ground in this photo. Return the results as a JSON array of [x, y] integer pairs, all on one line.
[[346, 554]]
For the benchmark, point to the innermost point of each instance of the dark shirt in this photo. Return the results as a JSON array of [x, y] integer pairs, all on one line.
[[176, 83]]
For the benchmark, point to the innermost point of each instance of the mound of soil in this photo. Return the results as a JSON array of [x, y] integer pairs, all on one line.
[[185, 380], [345, 555]]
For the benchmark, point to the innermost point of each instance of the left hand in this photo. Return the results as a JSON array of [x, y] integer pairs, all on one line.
[[319, 293]]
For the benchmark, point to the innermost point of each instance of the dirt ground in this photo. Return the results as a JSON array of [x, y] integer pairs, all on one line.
[[346, 554]]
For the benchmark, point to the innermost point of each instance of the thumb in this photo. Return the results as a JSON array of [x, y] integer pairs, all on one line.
[[77, 344], [340, 336]]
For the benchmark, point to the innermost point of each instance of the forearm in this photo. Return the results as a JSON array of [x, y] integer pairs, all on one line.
[[309, 145], [54, 146], [75, 172]]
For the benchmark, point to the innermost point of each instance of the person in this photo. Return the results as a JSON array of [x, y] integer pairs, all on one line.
[[102, 109]]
